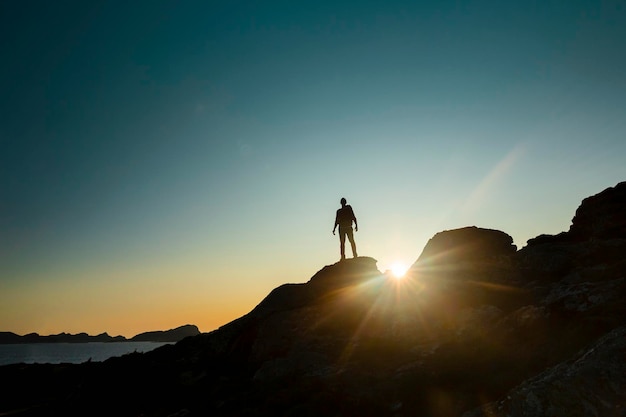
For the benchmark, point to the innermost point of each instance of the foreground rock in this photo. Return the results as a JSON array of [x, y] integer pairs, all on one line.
[[591, 384], [477, 328]]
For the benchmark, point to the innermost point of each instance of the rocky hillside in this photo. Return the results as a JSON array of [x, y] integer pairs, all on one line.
[[478, 328]]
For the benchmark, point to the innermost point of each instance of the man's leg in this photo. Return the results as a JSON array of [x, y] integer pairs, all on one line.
[[342, 244], [351, 238]]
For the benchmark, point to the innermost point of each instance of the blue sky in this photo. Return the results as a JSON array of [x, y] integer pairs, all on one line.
[[172, 162]]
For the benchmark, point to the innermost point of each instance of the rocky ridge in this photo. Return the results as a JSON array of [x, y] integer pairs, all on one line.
[[478, 328]]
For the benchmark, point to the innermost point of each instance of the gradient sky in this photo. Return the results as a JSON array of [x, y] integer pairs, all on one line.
[[164, 163]]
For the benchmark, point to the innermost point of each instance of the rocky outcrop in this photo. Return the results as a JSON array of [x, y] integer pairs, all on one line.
[[476, 328], [601, 216], [578, 279], [474, 245]]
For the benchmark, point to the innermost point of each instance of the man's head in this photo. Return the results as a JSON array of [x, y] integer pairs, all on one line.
[[343, 201]]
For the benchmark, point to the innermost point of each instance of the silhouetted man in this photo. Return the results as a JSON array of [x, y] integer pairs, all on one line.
[[345, 217]]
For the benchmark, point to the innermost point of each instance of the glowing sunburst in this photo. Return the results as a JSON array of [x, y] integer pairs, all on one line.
[[398, 270]]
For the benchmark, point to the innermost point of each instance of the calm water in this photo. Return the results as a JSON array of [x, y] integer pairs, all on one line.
[[70, 352]]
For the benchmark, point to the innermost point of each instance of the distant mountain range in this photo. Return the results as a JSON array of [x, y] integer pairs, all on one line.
[[172, 335]]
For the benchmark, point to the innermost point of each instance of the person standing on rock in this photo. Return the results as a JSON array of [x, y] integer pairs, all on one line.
[[345, 217]]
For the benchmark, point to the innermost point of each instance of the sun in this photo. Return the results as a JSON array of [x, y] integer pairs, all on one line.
[[398, 270]]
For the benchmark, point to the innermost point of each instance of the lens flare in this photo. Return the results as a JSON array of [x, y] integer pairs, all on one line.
[[398, 270]]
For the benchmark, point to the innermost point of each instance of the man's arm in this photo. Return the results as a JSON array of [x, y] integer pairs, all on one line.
[[336, 222], [356, 225]]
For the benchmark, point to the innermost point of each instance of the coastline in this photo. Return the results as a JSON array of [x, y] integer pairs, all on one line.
[[71, 353]]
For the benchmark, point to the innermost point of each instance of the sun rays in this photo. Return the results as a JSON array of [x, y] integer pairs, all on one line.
[[385, 318], [379, 310], [398, 270]]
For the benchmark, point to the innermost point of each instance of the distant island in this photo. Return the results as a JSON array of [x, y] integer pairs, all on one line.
[[172, 335]]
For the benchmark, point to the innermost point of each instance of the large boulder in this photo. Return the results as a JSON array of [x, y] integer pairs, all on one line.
[[592, 248], [468, 245], [470, 267], [601, 216]]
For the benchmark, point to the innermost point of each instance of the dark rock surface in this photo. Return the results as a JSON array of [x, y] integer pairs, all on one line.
[[466, 245], [601, 216], [477, 328], [592, 383]]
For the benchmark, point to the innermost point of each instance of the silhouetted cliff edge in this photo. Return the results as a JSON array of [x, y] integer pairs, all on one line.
[[478, 328]]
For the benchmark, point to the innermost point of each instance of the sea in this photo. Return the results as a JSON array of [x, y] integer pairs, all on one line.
[[70, 352]]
